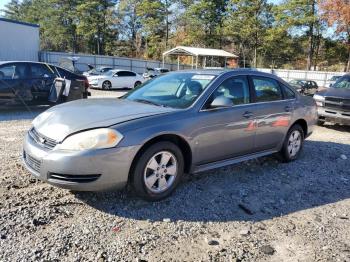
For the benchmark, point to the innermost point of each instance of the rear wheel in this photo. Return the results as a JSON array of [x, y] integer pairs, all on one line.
[[137, 84], [293, 144], [158, 171], [106, 85]]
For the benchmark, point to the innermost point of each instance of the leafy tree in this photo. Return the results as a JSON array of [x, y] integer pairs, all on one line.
[[298, 16], [337, 13], [247, 23]]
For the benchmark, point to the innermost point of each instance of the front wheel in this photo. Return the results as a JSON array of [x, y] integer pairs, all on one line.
[[106, 85], [293, 144], [158, 171]]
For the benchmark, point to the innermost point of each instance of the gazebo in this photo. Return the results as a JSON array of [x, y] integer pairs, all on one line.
[[196, 52]]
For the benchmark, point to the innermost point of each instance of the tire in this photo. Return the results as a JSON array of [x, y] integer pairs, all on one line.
[[161, 180], [137, 84], [106, 85], [290, 152], [320, 122]]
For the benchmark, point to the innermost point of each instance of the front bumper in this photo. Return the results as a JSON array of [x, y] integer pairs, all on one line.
[[333, 115], [94, 170]]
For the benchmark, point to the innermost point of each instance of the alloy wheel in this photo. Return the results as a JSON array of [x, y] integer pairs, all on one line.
[[160, 172], [106, 85], [294, 143]]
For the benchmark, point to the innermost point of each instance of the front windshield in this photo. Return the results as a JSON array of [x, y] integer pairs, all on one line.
[[343, 82], [177, 90]]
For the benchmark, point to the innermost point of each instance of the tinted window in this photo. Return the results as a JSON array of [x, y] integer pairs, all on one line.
[[41, 71], [343, 82], [236, 89], [288, 93], [14, 71], [64, 73], [126, 73], [266, 89]]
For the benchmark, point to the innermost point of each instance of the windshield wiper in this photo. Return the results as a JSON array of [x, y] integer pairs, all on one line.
[[148, 102]]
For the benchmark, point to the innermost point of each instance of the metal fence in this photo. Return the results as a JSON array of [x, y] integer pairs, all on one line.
[[136, 65], [139, 66], [320, 77]]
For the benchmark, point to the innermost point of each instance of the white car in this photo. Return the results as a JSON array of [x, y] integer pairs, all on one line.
[[116, 79]]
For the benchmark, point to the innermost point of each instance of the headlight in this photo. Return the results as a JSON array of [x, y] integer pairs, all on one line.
[[93, 139], [319, 100]]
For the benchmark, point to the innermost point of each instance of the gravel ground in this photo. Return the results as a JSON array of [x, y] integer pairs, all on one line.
[[260, 210]]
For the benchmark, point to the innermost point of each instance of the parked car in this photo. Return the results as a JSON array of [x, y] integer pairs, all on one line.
[[182, 122], [305, 87], [116, 78], [31, 82], [98, 71], [333, 104], [153, 72], [333, 80]]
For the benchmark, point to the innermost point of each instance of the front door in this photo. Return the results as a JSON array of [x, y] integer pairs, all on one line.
[[223, 133], [14, 83]]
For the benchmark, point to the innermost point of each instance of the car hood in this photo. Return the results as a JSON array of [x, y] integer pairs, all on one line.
[[62, 120], [335, 92]]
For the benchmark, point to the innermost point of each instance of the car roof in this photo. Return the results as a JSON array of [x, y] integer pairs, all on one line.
[[31, 62], [118, 70]]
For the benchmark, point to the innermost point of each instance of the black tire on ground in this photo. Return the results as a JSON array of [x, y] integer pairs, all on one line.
[[138, 171], [106, 85], [320, 122], [137, 84], [285, 154]]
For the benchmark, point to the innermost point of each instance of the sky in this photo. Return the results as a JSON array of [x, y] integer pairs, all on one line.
[[3, 3]]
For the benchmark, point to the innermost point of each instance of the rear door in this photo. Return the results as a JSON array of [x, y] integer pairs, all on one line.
[[126, 79], [224, 133], [273, 113], [42, 77]]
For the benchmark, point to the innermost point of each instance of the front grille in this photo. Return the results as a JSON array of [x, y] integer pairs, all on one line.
[[42, 140], [73, 178], [337, 103], [32, 162]]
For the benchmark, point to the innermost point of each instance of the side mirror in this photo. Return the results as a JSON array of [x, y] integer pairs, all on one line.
[[115, 75], [221, 102]]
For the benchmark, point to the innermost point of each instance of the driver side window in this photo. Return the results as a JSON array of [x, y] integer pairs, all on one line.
[[235, 88]]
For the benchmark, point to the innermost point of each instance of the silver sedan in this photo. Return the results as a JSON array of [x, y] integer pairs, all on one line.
[[182, 122]]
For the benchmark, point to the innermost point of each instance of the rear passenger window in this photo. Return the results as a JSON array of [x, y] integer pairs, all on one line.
[[266, 89], [288, 93], [40, 71], [126, 73], [236, 89]]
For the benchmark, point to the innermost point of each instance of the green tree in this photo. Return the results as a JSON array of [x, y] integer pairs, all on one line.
[[300, 16], [247, 23]]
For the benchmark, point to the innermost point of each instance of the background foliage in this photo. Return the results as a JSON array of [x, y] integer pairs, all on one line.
[[294, 34]]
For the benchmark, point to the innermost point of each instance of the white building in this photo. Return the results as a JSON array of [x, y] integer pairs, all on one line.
[[18, 41]]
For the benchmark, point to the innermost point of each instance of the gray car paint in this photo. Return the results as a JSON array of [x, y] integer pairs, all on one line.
[[215, 137]]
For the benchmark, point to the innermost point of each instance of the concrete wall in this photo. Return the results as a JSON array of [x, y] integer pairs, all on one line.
[[18, 41]]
